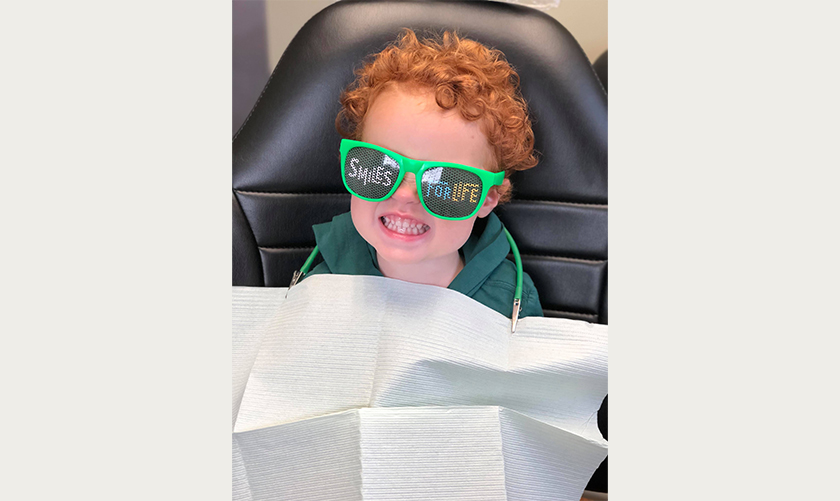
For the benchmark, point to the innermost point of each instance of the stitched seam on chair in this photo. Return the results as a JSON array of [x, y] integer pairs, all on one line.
[[286, 248], [591, 68], [566, 258], [574, 313], [597, 79], [289, 193], [254, 235], [574, 204], [257, 103]]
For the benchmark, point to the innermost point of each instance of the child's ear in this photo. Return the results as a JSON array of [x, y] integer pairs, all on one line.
[[492, 199]]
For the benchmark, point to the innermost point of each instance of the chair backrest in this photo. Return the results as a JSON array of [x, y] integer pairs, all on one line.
[[600, 67], [285, 156]]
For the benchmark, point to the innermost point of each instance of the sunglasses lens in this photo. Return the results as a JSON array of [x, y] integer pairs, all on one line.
[[450, 192], [370, 173]]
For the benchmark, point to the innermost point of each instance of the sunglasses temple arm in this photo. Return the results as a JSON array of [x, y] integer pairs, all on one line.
[[517, 295], [299, 274]]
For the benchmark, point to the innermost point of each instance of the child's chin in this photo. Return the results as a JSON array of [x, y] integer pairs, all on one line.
[[396, 256]]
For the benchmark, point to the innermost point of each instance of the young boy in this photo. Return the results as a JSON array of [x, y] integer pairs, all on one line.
[[449, 111]]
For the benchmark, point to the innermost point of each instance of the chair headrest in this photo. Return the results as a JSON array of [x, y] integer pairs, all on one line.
[[289, 143]]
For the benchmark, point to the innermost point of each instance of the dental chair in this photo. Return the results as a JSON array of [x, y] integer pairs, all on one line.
[[600, 67], [286, 166]]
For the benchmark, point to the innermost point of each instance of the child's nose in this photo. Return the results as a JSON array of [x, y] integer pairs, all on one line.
[[407, 189]]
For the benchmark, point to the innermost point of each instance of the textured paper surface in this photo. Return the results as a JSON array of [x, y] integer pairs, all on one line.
[[370, 388], [254, 315], [342, 342], [421, 453]]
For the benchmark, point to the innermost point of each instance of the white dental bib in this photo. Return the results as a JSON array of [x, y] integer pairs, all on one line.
[[362, 387]]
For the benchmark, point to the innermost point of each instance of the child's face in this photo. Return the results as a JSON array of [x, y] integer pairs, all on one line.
[[413, 125]]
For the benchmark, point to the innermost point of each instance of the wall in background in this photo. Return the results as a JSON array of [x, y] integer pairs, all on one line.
[[250, 56], [283, 19], [585, 19]]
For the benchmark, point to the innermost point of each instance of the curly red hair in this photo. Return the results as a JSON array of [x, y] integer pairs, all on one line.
[[463, 74]]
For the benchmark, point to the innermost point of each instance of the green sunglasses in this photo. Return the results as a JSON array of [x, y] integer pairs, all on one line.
[[446, 190]]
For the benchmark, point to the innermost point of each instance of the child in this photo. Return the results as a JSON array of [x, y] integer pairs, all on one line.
[[453, 104]]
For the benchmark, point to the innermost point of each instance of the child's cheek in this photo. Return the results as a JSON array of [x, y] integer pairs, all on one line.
[[363, 214], [454, 233]]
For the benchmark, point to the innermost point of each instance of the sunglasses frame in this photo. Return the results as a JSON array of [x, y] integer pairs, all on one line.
[[418, 168]]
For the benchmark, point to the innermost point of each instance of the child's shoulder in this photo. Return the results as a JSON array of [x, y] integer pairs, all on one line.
[[498, 290], [342, 250]]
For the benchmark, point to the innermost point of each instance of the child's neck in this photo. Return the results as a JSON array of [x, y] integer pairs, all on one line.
[[440, 271]]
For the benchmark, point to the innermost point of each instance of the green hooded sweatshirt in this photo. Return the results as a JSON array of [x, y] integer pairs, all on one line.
[[488, 276]]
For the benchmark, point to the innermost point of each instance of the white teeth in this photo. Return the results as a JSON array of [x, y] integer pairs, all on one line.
[[404, 226]]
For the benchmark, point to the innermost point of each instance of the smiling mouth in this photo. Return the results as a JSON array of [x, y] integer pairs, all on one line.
[[404, 226]]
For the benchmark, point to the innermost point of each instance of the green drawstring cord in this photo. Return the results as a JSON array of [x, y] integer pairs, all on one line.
[[306, 264], [517, 295], [298, 274]]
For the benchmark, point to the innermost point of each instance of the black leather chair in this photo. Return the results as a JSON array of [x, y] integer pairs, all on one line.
[[600, 66], [285, 156]]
